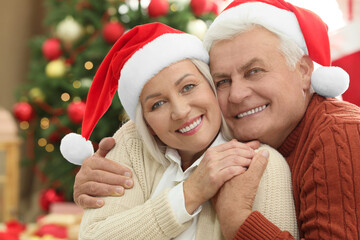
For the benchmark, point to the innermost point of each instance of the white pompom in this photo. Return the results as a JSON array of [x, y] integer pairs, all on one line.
[[330, 81], [75, 148]]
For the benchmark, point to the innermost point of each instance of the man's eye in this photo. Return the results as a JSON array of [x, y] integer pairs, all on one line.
[[222, 83], [188, 87], [253, 71], [157, 105]]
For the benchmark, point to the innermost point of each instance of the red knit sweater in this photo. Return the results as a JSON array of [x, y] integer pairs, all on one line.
[[323, 153]]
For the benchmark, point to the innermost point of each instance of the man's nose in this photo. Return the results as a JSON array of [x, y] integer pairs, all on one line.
[[239, 90]]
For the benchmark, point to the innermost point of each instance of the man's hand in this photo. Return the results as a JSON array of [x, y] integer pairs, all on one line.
[[99, 176], [233, 203]]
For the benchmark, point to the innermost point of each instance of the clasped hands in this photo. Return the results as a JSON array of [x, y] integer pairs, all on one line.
[[232, 192]]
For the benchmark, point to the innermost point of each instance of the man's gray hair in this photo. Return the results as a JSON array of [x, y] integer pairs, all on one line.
[[288, 47]]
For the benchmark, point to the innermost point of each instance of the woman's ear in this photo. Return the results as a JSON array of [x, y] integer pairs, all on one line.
[[306, 66]]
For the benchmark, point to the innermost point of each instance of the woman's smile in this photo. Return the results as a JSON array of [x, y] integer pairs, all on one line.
[[192, 128]]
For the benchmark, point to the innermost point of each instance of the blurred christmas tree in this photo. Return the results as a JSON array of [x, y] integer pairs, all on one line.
[[62, 67]]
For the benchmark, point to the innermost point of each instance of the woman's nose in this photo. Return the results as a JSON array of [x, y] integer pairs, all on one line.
[[180, 109]]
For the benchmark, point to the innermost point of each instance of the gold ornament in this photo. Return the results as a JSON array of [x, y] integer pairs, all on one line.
[[56, 68], [24, 125], [42, 142], [44, 123], [36, 95], [88, 65], [65, 97], [76, 84]]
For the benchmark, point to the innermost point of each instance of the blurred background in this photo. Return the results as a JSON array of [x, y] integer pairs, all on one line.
[[50, 50]]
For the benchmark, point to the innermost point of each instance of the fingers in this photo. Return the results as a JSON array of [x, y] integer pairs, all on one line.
[[232, 148], [108, 178], [232, 144], [230, 172], [86, 201], [259, 163], [253, 144], [105, 145], [99, 189], [237, 153], [104, 164]]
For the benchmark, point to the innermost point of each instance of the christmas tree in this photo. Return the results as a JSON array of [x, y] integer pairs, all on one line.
[[63, 64]]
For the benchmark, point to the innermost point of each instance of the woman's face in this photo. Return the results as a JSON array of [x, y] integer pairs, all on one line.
[[181, 109]]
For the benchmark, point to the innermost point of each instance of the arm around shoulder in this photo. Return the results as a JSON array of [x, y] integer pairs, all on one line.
[[133, 216]]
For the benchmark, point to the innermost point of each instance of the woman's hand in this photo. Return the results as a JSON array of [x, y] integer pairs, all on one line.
[[220, 164]]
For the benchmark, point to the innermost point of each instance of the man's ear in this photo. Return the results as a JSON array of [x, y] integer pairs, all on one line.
[[306, 66]]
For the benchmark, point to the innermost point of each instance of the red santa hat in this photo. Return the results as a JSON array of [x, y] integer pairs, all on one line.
[[301, 25], [134, 59]]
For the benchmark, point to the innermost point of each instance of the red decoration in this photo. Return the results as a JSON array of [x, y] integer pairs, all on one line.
[[350, 63], [13, 230], [112, 31], [200, 7], [23, 111], [215, 8], [54, 137], [76, 111], [49, 196], [350, 10], [8, 236], [158, 8], [51, 49], [52, 230]]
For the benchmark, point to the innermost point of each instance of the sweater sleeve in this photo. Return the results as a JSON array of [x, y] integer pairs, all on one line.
[[327, 184], [329, 191], [132, 216], [273, 208]]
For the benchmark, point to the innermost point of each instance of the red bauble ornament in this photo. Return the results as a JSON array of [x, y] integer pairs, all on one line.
[[215, 8], [23, 111], [48, 197], [76, 111], [52, 230], [200, 7], [158, 8], [51, 49], [112, 31]]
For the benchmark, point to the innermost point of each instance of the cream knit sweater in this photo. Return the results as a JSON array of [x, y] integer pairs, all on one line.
[[136, 216]]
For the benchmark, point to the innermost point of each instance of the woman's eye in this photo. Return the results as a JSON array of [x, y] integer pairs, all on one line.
[[188, 87], [157, 105], [222, 83]]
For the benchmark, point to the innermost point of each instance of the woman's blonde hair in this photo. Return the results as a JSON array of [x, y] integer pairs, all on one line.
[[153, 144]]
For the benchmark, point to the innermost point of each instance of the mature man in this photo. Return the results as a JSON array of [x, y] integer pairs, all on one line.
[[262, 56]]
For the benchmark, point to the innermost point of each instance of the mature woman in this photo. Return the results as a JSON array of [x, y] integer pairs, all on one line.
[[173, 145]]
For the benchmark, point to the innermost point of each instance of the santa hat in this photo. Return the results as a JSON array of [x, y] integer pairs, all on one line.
[[134, 59], [301, 25]]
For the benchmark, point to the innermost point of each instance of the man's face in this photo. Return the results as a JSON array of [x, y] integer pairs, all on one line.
[[259, 95]]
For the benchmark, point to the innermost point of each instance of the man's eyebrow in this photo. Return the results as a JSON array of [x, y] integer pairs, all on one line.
[[240, 69], [249, 64], [220, 75]]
